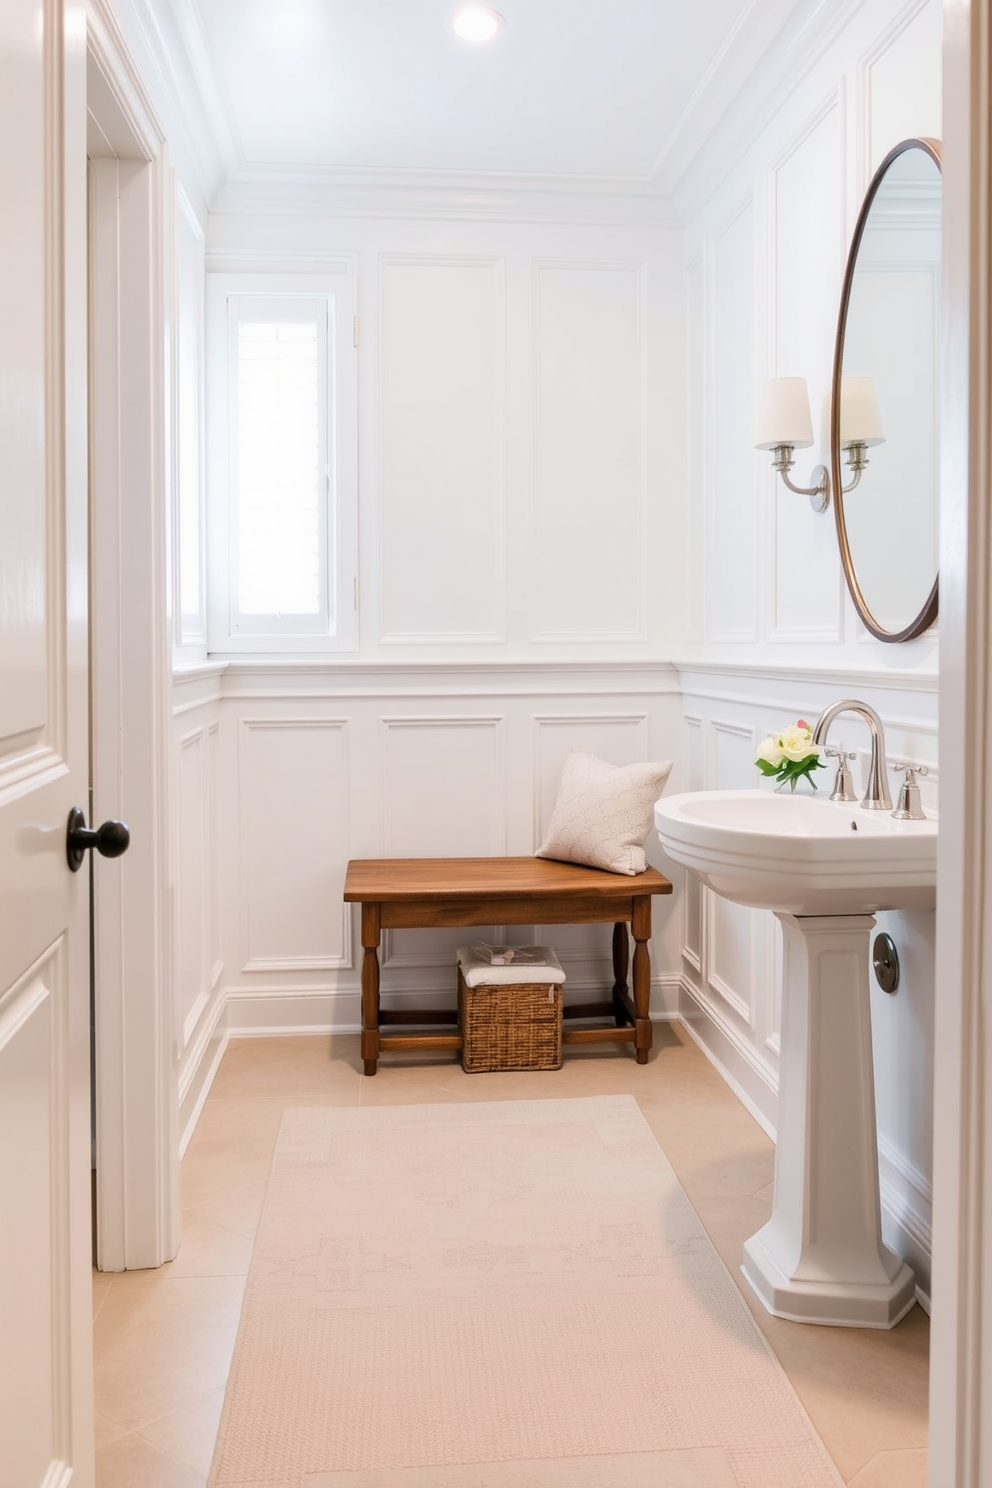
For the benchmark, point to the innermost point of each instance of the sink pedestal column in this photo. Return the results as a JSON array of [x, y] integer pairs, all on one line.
[[820, 1258]]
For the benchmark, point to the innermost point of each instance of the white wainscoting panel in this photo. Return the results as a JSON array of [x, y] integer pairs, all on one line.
[[730, 931], [443, 795], [589, 448], [733, 539], [214, 961], [443, 787], [729, 939], [698, 443], [693, 778], [806, 199], [295, 829], [620, 739], [733, 748], [448, 760], [192, 886], [441, 449], [199, 967]]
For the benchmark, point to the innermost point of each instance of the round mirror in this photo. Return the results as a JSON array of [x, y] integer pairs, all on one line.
[[883, 445]]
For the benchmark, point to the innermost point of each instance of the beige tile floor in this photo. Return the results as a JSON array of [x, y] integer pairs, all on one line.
[[163, 1339]]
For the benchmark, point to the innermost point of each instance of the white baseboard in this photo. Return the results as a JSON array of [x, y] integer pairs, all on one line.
[[273, 1012], [907, 1214], [752, 1082]]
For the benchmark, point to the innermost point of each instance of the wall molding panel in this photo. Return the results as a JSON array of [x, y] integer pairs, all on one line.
[[200, 990], [719, 944], [693, 774], [616, 737], [292, 801], [879, 100], [200, 1064], [441, 448], [733, 552], [589, 359], [698, 363], [192, 879], [443, 785]]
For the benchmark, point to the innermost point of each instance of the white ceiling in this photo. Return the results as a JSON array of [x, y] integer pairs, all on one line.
[[586, 91]]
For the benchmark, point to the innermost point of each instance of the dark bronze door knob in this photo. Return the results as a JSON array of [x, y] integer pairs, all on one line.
[[110, 840]]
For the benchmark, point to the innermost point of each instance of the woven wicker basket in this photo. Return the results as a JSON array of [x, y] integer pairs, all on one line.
[[510, 1027]]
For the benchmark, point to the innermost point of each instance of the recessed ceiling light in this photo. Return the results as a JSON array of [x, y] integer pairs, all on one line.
[[477, 23]]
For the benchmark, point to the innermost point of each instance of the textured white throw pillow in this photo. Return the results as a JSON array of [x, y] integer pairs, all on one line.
[[604, 812]]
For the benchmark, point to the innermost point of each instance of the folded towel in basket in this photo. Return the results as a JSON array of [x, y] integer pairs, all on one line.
[[481, 964]]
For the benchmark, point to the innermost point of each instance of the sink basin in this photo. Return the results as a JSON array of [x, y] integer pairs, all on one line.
[[800, 855]]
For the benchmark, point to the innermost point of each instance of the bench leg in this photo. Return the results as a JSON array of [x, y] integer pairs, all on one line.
[[621, 958], [640, 925], [370, 988]]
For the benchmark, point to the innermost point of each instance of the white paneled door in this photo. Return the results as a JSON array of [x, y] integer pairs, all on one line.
[[45, 1330]]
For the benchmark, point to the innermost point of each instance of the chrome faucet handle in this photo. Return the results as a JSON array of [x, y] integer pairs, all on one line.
[[909, 806], [843, 784]]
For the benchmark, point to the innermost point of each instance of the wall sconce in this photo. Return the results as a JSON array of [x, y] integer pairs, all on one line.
[[784, 425], [860, 424]]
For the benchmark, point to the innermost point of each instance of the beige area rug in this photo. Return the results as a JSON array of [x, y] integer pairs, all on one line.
[[515, 1294]]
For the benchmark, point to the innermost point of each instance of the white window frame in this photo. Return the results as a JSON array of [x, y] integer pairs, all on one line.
[[336, 628]]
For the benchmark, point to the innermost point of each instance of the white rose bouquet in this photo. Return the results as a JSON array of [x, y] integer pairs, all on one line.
[[789, 756]]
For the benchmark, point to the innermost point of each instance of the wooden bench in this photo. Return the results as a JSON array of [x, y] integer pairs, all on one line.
[[411, 893]]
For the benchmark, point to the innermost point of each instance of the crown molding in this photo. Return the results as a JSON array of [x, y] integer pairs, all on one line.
[[758, 27], [690, 177], [769, 40], [447, 196], [200, 71], [159, 53]]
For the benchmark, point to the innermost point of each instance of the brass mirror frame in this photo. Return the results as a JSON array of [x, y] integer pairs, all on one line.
[[928, 613]]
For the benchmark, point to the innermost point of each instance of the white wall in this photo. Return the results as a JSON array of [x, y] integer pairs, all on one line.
[[772, 632], [521, 537], [520, 425]]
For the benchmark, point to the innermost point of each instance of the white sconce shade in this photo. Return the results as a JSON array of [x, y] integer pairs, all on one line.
[[860, 415], [783, 416]]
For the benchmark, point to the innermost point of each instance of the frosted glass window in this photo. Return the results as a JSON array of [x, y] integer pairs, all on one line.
[[280, 484], [281, 473], [282, 476]]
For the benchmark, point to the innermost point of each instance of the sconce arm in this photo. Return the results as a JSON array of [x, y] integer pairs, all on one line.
[[857, 463], [818, 493]]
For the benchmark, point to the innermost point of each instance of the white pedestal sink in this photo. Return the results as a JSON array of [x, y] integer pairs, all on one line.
[[823, 868]]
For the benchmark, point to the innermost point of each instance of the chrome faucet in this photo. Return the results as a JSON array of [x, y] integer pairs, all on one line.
[[876, 797]]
